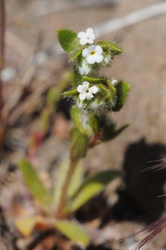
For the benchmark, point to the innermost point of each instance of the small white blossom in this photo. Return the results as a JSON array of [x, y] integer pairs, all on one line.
[[114, 81], [87, 37], [93, 54], [84, 68], [86, 92]]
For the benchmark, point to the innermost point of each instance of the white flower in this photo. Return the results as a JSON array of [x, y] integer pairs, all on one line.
[[86, 92], [84, 68], [93, 54], [87, 37], [114, 81]]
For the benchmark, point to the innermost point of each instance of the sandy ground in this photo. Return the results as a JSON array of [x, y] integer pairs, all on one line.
[[31, 27]]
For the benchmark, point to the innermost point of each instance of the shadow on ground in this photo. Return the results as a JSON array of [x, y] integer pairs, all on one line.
[[140, 200]]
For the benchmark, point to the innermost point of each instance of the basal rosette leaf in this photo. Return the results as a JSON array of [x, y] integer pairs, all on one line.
[[90, 187], [73, 231], [25, 225], [35, 185]]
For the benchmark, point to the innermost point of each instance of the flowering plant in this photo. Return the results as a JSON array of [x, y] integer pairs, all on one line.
[[93, 96], [91, 92]]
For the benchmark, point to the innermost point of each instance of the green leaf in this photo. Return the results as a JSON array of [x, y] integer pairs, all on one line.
[[112, 90], [73, 231], [122, 92], [78, 145], [63, 168], [94, 123], [76, 180], [76, 54], [68, 40], [76, 117], [70, 93], [104, 91], [93, 79], [26, 225], [35, 185], [115, 49], [92, 186]]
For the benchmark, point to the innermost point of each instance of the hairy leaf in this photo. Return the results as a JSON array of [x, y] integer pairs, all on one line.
[[92, 186], [78, 144], [115, 49], [67, 39], [122, 92], [76, 180], [35, 185]]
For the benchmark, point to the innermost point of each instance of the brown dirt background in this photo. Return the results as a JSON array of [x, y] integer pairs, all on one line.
[[142, 64]]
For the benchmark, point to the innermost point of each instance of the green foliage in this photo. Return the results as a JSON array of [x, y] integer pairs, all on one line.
[[76, 54], [90, 187], [78, 144], [93, 79], [70, 93], [94, 123], [35, 185], [58, 189], [76, 180], [122, 92], [93, 95], [113, 47], [67, 39], [76, 117], [25, 225], [73, 231]]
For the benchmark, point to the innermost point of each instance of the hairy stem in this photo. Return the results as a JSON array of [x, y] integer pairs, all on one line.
[[61, 206]]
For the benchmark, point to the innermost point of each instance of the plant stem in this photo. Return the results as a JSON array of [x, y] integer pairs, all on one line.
[[60, 210], [2, 45]]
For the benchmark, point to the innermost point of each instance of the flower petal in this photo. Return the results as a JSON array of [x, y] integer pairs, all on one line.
[[99, 58], [82, 96], [86, 84], [99, 49], [81, 34], [89, 96], [85, 52], [91, 59], [90, 31], [94, 89], [80, 88]]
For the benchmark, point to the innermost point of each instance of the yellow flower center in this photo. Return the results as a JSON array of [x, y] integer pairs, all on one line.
[[92, 52]]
